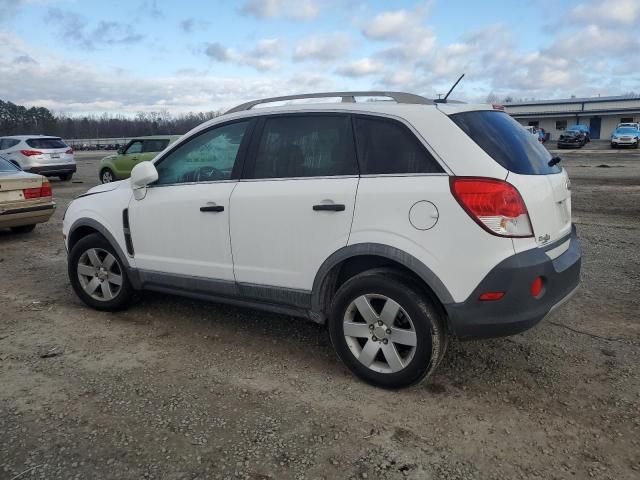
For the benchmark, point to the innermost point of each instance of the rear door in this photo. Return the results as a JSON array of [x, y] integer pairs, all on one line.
[[544, 187], [295, 203]]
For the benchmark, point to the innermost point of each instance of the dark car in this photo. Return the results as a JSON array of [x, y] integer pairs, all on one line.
[[573, 138], [584, 129]]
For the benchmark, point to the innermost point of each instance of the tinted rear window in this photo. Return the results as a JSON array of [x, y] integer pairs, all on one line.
[[506, 141], [45, 143]]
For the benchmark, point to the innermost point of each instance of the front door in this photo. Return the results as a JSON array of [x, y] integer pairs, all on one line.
[[594, 129], [181, 226], [295, 203], [124, 162]]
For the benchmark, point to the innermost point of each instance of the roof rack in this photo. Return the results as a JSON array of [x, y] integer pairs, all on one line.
[[347, 97]]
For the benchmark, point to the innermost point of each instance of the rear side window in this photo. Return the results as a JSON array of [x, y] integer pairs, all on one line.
[[154, 145], [6, 143], [45, 143], [388, 147], [504, 140], [305, 146]]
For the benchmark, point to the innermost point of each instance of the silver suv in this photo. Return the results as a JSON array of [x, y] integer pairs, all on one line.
[[46, 155]]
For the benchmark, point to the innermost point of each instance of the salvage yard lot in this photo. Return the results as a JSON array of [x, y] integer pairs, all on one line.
[[175, 388]]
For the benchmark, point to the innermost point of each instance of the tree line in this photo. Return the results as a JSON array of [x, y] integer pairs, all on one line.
[[21, 120]]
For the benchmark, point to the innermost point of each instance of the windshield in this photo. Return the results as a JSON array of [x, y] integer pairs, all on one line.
[[626, 131], [7, 166], [504, 140]]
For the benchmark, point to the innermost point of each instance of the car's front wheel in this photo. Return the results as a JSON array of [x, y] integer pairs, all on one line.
[[98, 275], [107, 176], [386, 330]]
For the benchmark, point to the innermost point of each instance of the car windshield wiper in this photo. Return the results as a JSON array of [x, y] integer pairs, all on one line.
[[554, 161]]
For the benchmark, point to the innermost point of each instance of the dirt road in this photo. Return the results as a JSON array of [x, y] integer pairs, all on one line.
[[179, 389]]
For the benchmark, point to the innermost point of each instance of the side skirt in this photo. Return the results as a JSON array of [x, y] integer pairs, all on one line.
[[278, 300]]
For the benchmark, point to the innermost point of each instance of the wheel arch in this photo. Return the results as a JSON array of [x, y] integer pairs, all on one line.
[[353, 259], [86, 226]]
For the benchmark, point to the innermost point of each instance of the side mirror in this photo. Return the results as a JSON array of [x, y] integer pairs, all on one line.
[[143, 174]]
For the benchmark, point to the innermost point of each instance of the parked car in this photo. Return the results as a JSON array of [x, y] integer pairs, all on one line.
[[572, 137], [625, 136], [582, 128], [118, 166], [49, 156], [390, 222], [629, 125], [25, 198], [543, 135]]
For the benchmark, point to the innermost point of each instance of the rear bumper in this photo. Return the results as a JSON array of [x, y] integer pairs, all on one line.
[[16, 217], [518, 310], [53, 170]]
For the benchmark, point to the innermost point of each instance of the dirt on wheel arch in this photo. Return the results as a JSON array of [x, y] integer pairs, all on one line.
[[179, 389]]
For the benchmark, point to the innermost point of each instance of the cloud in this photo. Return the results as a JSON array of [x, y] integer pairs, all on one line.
[[191, 24], [624, 13], [149, 8], [61, 84], [322, 47], [361, 68], [389, 25], [262, 57], [297, 10], [25, 60], [75, 29]]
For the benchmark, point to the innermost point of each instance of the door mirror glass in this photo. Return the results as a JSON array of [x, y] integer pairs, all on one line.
[[143, 174]]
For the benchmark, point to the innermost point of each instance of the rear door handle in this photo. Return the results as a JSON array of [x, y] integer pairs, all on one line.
[[212, 208], [330, 207]]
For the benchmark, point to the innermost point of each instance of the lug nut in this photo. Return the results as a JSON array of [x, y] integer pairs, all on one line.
[[380, 322], [388, 331], [385, 341], [371, 327], [374, 338]]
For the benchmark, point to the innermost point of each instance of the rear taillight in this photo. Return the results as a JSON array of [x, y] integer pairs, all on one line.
[[69, 151], [494, 204], [43, 191], [30, 153]]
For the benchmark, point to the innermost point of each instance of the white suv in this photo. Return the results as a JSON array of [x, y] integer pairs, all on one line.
[[46, 155], [396, 224]]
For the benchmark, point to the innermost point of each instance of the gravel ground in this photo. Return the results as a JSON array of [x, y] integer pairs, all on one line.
[[180, 389]]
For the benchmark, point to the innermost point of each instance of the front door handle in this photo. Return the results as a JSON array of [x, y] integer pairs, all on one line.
[[329, 207], [212, 208]]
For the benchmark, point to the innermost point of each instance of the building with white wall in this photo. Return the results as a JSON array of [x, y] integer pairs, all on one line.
[[601, 114]]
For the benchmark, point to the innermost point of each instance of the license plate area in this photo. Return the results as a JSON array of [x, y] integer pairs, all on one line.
[[12, 196]]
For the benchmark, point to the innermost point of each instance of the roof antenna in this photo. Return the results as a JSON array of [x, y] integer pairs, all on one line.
[[444, 100]]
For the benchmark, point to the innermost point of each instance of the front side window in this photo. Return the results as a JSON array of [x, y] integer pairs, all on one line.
[[155, 145], [305, 146], [387, 147], [134, 147], [208, 157]]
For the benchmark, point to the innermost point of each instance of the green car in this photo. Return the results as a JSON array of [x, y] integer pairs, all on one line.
[[140, 149]]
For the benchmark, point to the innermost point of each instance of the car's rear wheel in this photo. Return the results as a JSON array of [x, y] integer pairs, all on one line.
[[98, 275], [107, 176], [386, 330], [65, 177], [23, 228]]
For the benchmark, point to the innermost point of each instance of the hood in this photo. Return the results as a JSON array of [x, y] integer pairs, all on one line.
[[105, 187]]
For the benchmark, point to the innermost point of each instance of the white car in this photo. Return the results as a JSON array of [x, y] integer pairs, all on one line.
[[396, 224], [42, 154], [634, 125]]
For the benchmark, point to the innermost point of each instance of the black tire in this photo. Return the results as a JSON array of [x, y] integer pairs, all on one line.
[[424, 314], [125, 293], [65, 177], [108, 171], [23, 228]]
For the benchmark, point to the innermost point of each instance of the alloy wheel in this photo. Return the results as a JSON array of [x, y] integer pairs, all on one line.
[[379, 333], [100, 274], [107, 176]]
